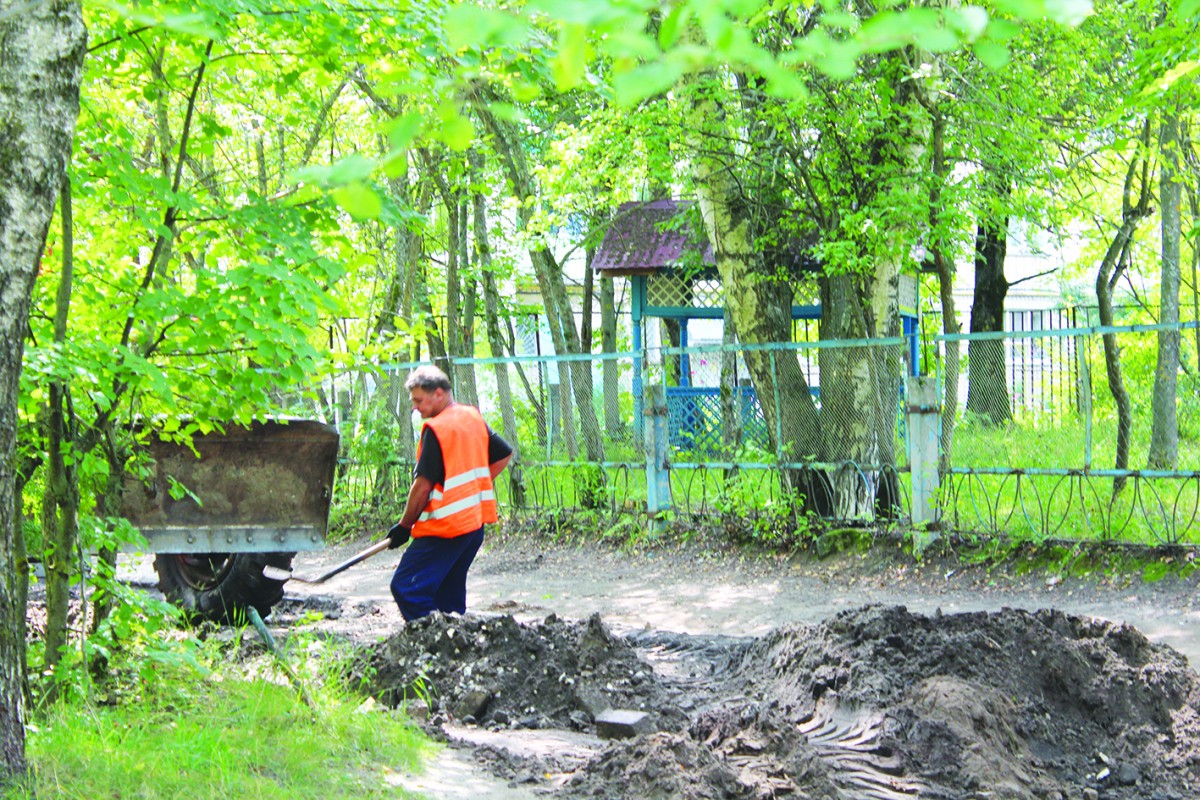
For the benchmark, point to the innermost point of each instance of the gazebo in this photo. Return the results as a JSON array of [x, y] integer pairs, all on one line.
[[673, 277]]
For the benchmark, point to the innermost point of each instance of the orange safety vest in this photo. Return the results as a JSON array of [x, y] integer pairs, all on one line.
[[466, 500]]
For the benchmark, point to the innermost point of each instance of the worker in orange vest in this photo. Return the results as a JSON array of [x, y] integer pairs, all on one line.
[[450, 500]]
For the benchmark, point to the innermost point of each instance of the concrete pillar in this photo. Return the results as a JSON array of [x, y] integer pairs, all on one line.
[[658, 467], [924, 418]]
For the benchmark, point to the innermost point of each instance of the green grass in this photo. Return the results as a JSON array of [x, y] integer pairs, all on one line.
[[197, 737]]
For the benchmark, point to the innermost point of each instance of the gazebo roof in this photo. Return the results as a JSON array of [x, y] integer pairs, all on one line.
[[640, 242]]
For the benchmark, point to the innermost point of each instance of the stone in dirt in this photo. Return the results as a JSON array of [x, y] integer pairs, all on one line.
[[620, 723], [875, 703]]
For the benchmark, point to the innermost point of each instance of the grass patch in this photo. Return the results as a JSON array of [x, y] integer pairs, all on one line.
[[195, 737]]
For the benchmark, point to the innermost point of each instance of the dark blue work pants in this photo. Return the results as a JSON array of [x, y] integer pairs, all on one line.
[[432, 575]]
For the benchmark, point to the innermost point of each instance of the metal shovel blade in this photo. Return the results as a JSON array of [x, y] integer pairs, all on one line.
[[278, 574]]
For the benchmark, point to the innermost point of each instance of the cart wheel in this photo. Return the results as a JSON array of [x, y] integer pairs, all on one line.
[[221, 586]]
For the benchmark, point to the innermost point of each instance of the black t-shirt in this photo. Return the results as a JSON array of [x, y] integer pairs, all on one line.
[[432, 466]]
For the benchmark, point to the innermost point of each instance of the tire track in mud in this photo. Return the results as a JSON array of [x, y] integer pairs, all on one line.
[[850, 743]]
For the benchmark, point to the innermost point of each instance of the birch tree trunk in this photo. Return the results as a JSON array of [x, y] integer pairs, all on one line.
[[758, 300], [1164, 431], [41, 61], [860, 386]]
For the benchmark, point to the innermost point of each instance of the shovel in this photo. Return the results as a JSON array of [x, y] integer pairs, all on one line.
[[278, 574]]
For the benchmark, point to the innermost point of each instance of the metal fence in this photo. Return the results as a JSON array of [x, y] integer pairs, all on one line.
[[1048, 451], [1029, 442], [580, 425]]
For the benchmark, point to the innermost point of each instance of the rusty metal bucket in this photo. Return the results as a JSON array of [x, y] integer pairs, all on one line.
[[262, 488]]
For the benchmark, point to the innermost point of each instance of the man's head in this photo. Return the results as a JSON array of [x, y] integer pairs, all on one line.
[[429, 390]]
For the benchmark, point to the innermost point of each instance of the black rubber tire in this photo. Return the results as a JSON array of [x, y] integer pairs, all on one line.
[[221, 586]]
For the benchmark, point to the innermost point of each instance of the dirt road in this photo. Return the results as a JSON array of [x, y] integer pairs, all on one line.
[[695, 591], [1026, 674], [704, 593]]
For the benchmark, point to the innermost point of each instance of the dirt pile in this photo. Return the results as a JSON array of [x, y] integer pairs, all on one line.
[[872, 703], [496, 672]]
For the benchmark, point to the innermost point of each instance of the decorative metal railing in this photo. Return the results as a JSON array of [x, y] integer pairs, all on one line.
[[1030, 448]]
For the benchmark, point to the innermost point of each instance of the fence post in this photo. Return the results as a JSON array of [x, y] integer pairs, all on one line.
[[658, 468], [1085, 398], [923, 419]]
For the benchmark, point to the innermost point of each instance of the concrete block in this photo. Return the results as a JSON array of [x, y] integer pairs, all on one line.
[[619, 723]]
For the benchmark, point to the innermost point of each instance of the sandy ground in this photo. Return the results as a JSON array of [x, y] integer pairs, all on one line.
[[691, 590]]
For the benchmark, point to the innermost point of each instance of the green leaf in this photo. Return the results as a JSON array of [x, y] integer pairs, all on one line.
[[888, 30], [1023, 9], [587, 13], [455, 130], [838, 60], [359, 201], [1003, 30], [937, 40], [633, 86], [1069, 12], [1186, 9], [784, 83], [631, 43], [970, 21], [718, 28], [570, 62], [525, 92], [346, 170], [401, 131], [840, 20], [189, 23], [992, 55], [1173, 75], [469, 26], [672, 24]]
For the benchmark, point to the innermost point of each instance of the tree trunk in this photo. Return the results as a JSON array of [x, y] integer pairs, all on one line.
[[1115, 260], [987, 380], [559, 313], [466, 339], [614, 422], [859, 400], [110, 508], [758, 300], [1164, 431], [422, 307], [397, 302], [60, 503], [491, 299], [860, 386], [731, 391], [943, 265], [41, 62]]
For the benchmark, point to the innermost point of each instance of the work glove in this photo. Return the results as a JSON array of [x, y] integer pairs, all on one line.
[[397, 535]]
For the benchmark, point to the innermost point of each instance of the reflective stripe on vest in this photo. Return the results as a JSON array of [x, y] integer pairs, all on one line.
[[466, 500]]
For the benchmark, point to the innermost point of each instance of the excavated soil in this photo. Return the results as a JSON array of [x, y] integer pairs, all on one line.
[[858, 676], [874, 702]]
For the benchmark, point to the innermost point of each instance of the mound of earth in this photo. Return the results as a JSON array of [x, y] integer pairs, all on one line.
[[875, 703], [495, 671]]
